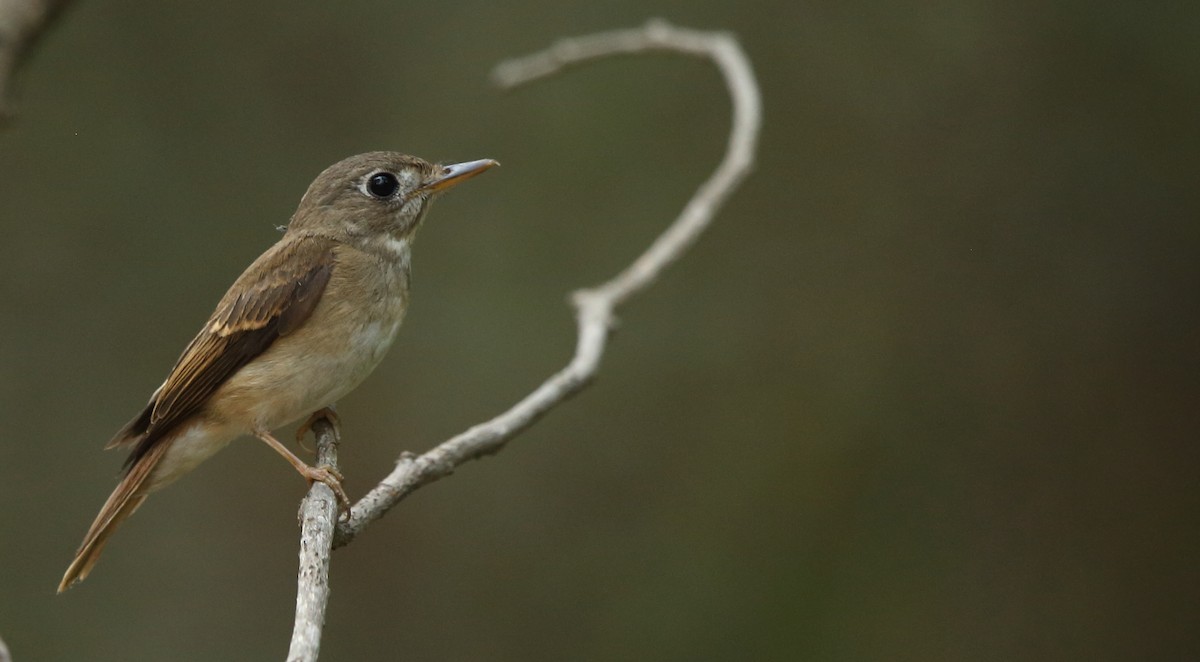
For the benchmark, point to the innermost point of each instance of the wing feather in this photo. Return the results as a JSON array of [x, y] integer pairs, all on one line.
[[272, 298]]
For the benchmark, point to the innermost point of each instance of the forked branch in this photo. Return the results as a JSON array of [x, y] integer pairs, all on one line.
[[595, 307]]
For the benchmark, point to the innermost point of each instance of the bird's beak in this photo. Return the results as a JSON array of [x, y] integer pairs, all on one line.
[[457, 173]]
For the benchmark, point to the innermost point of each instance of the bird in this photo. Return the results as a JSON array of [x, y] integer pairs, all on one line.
[[302, 326]]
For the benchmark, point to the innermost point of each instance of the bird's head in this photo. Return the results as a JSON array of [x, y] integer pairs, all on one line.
[[377, 195]]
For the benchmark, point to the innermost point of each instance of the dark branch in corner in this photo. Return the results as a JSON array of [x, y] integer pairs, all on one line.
[[22, 22]]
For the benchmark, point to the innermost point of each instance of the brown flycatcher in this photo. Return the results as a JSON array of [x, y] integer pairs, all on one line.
[[300, 328]]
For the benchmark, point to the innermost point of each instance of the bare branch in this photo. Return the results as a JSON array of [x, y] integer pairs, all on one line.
[[318, 513], [21, 23], [595, 306]]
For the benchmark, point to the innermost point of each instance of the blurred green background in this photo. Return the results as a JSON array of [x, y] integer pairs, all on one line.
[[927, 390]]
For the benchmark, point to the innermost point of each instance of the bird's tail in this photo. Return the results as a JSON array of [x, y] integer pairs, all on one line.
[[122, 503]]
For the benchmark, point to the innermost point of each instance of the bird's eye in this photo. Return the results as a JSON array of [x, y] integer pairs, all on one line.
[[382, 184]]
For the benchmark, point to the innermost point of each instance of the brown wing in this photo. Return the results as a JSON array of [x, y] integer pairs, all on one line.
[[272, 298]]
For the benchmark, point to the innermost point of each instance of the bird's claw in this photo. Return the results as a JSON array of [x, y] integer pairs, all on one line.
[[332, 478]]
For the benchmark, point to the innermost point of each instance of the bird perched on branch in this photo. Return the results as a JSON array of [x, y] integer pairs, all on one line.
[[300, 328]]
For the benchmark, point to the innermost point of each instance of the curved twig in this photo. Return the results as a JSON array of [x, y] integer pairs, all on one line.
[[594, 306]]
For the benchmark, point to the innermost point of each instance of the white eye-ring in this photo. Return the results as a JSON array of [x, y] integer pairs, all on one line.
[[381, 185]]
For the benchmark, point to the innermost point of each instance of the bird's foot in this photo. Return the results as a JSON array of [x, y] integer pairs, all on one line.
[[332, 478]]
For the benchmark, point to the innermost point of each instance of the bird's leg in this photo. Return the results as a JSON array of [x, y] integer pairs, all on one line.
[[328, 413], [324, 474]]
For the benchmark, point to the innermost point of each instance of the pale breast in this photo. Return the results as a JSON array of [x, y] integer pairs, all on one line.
[[346, 337]]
